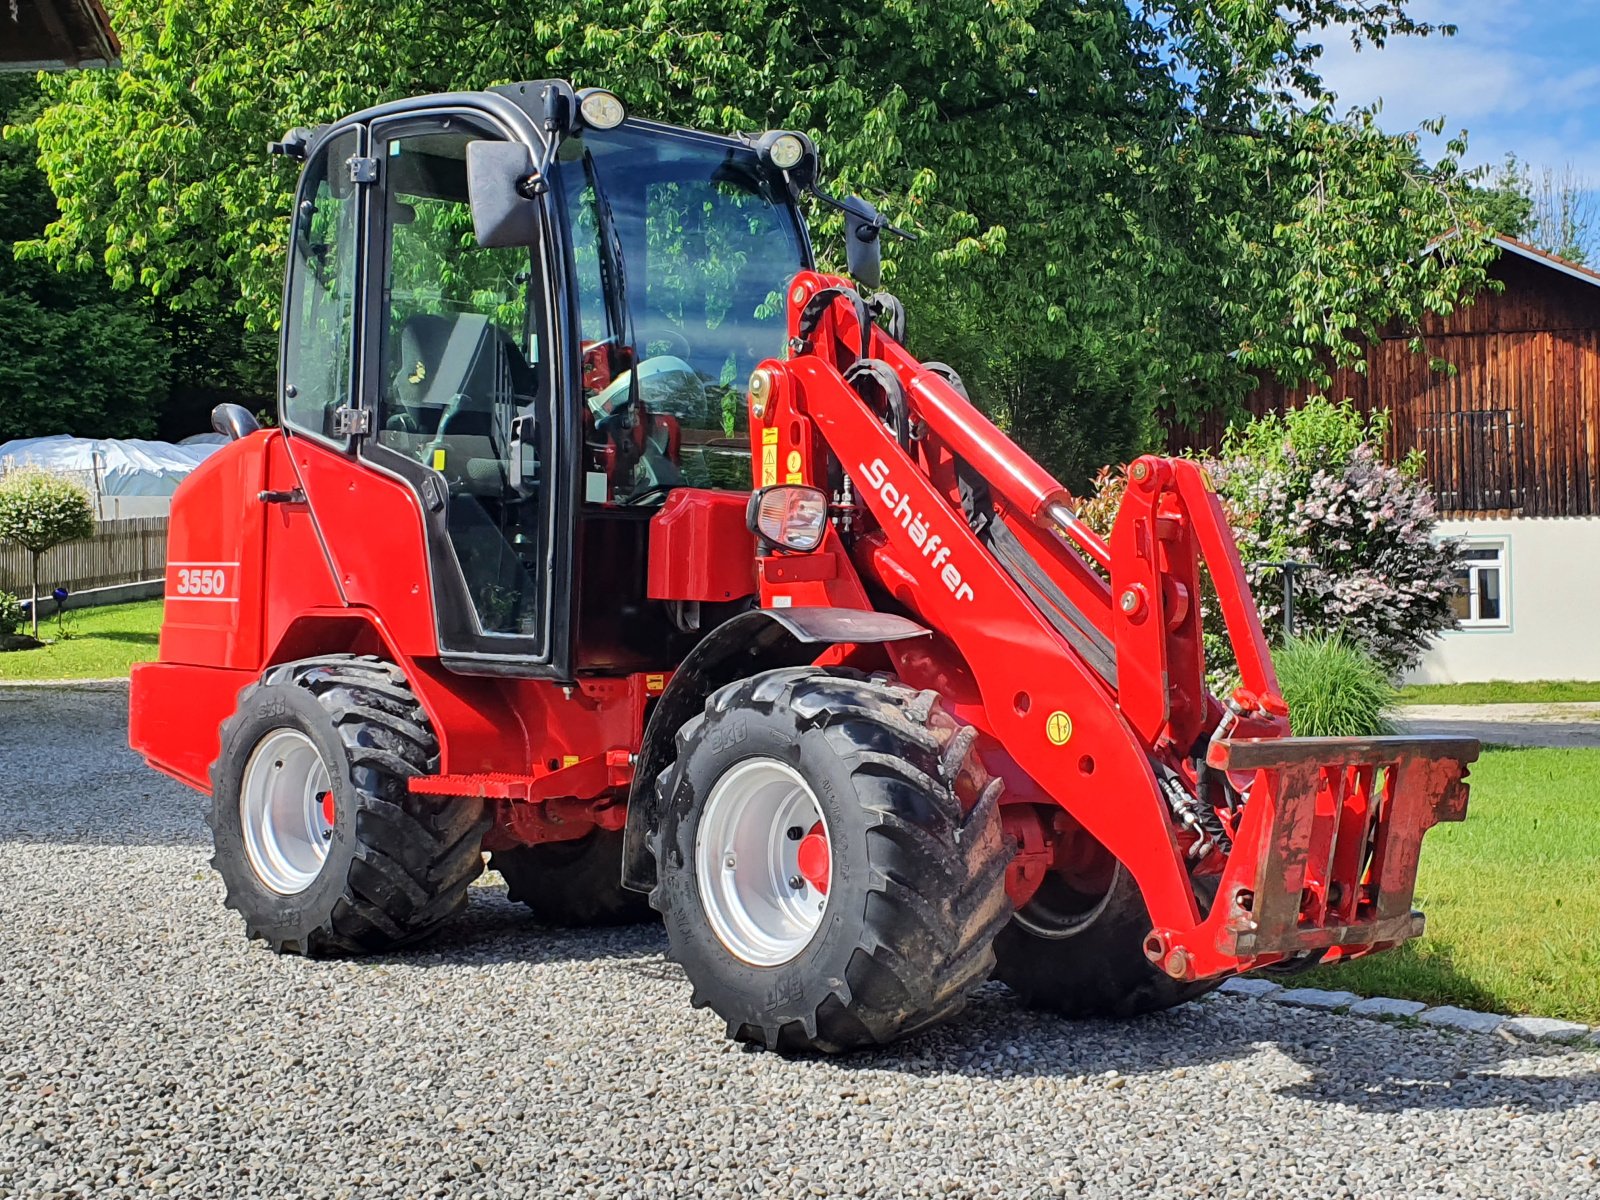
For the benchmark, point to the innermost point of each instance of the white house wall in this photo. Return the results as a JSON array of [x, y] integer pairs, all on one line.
[[1551, 601]]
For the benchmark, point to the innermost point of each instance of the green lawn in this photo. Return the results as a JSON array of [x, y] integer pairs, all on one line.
[[1501, 691], [102, 643], [1511, 897]]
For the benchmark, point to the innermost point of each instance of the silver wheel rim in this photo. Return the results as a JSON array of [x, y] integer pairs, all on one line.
[[747, 862], [283, 806]]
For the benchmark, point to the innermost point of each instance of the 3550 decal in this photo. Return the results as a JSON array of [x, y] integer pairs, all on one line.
[[200, 581]]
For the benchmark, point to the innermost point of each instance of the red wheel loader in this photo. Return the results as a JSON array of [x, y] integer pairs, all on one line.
[[603, 535]]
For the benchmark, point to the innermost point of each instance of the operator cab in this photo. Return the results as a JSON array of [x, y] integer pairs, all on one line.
[[547, 375]]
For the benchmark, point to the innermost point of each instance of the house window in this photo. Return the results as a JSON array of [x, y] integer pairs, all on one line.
[[1480, 599]]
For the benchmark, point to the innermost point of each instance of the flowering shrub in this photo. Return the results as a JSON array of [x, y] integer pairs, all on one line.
[[1311, 488]]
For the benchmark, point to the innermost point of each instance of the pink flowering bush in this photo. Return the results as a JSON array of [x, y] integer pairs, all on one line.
[[1311, 488]]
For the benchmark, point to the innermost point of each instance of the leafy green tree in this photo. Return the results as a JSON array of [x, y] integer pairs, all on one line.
[[1126, 208], [1503, 203], [39, 511], [78, 358]]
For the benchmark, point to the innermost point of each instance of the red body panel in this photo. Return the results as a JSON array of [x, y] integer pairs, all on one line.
[[214, 581], [174, 712], [701, 548]]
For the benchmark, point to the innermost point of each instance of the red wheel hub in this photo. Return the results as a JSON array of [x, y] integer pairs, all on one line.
[[328, 810], [816, 858]]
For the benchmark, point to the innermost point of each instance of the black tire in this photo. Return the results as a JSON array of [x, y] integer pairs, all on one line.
[[1099, 968], [397, 865], [572, 885], [917, 892]]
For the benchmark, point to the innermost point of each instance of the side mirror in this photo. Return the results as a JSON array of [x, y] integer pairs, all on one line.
[[863, 247], [233, 421], [501, 183]]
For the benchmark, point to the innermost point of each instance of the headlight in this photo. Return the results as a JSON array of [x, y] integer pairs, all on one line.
[[788, 517], [600, 109]]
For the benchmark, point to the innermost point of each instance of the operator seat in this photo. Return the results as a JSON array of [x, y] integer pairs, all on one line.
[[447, 374], [445, 359]]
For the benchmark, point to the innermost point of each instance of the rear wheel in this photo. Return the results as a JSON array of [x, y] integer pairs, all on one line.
[[1077, 947], [830, 863], [321, 845], [572, 884]]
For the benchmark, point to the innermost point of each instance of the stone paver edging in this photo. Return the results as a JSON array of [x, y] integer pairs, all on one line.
[[1443, 1016]]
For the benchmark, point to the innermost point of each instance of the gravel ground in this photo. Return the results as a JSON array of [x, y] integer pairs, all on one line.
[[146, 1048]]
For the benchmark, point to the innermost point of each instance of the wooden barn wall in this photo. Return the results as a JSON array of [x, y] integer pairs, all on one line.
[[1516, 429]]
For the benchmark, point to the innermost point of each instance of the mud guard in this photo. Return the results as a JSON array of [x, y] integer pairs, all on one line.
[[761, 640]]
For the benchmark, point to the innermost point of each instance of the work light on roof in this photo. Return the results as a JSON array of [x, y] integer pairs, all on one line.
[[600, 109], [787, 150]]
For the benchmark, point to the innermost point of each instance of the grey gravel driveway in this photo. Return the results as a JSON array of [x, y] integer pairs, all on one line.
[[147, 1049]]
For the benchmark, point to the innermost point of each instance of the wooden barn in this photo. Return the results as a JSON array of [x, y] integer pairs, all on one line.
[[1512, 441]]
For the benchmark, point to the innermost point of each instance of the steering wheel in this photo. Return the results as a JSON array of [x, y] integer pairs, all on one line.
[[679, 344]]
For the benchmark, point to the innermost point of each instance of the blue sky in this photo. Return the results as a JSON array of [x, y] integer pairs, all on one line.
[[1519, 76]]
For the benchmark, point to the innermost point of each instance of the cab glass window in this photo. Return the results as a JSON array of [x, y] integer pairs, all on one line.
[[319, 326]]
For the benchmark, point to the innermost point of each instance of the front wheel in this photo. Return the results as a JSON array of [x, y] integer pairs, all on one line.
[[830, 862]]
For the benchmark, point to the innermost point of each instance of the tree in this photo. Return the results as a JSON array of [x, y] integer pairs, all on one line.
[[79, 358], [1557, 207], [40, 511], [1123, 207]]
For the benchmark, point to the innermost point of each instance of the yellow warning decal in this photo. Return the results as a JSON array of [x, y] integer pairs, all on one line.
[[655, 683], [769, 465], [569, 760], [438, 460], [1058, 728], [769, 437], [794, 462]]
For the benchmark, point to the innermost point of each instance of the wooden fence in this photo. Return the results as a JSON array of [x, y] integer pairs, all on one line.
[[127, 551]]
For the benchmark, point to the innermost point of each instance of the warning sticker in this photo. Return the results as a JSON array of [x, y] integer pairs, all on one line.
[[1058, 728]]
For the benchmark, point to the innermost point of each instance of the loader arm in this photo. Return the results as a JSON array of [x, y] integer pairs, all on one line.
[[1082, 660]]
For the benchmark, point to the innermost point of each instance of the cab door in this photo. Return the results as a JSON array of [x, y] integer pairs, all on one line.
[[458, 379]]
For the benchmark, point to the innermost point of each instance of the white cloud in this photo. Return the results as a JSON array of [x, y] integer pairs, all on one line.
[[1519, 77]]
